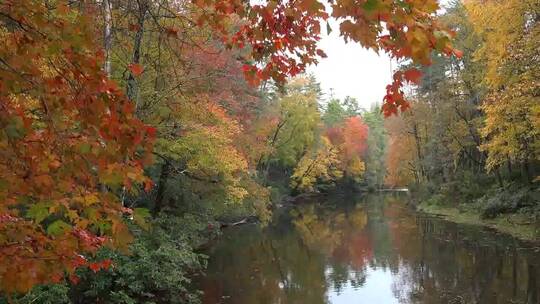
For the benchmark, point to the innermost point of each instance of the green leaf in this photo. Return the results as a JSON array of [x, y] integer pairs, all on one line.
[[3, 184], [112, 179], [370, 5], [140, 215], [15, 128], [404, 4], [38, 212], [59, 227], [85, 148], [441, 43], [103, 227], [328, 28]]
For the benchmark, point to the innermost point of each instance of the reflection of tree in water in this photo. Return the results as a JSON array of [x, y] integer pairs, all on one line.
[[264, 267], [447, 263], [312, 251], [340, 236]]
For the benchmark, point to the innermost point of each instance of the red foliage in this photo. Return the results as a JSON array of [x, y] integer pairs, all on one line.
[[335, 135], [283, 35], [66, 129], [355, 133], [351, 137]]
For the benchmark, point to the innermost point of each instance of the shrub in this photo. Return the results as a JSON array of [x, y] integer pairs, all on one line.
[[157, 270], [508, 200]]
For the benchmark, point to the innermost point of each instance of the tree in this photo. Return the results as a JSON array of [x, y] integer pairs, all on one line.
[[70, 142], [280, 37], [194, 93], [337, 111], [474, 118], [512, 126], [400, 159], [320, 164], [376, 147], [350, 139], [334, 113], [510, 50], [74, 145], [499, 24], [294, 119]]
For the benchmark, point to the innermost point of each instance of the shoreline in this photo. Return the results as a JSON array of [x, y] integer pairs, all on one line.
[[516, 225]]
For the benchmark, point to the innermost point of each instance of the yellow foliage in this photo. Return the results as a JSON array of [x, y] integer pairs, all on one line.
[[500, 24], [356, 168], [512, 123], [320, 165]]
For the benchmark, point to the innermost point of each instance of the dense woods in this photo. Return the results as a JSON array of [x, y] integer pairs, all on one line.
[[471, 136], [131, 131]]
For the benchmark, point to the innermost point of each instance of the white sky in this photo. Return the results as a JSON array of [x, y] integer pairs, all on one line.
[[350, 70]]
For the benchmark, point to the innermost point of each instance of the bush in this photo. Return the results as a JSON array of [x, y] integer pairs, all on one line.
[[466, 187], [436, 200], [156, 271], [44, 294], [508, 200]]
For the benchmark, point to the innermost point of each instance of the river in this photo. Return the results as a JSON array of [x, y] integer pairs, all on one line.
[[369, 249]]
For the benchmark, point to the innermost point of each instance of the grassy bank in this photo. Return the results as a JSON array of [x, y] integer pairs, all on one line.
[[520, 226]]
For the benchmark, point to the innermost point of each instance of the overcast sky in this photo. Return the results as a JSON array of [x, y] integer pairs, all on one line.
[[350, 70]]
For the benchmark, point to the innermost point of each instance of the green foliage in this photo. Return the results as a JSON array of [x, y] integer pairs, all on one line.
[[516, 198], [337, 110], [44, 294], [158, 269], [298, 124], [376, 148]]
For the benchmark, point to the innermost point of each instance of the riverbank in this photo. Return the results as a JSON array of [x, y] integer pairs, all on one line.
[[518, 225]]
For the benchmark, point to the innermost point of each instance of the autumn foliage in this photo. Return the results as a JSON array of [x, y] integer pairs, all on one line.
[[350, 138], [68, 136], [281, 36], [73, 147]]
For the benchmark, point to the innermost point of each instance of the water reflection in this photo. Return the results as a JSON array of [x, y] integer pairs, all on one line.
[[368, 250]]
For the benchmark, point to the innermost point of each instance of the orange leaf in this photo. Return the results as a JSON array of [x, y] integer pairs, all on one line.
[[148, 184], [458, 53], [134, 27], [151, 131], [321, 53], [413, 75], [278, 44], [136, 69], [56, 278], [106, 264], [171, 31], [94, 266], [74, 279]]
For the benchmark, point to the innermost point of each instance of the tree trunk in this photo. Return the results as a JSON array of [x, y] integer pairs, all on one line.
[[162, 185], [107, 35], [419, 151], [509, 167], [532, 292], [131, 82], [499, 178], [526, 172]]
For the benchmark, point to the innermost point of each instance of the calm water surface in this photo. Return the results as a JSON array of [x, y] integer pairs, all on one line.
[[368, 250]]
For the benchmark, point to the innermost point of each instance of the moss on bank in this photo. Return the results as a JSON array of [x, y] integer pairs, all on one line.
[[521, 226]]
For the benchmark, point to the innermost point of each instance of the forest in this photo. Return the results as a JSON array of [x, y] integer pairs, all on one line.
[[134, 132]]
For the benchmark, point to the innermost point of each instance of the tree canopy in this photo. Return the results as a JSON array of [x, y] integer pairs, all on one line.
[[106, 104]]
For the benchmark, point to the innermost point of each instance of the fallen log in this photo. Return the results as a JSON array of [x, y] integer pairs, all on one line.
[[246, 220]]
